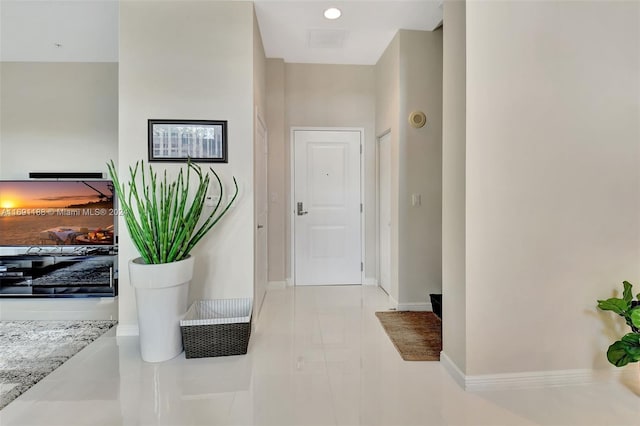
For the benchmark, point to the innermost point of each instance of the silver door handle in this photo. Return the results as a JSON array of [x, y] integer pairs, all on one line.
[[300, 211]]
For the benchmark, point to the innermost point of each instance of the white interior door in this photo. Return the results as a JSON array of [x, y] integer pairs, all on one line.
[[327, 229], [261, 214], [384, 210]]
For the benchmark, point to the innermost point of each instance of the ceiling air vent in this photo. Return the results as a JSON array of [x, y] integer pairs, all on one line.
[[327, 39]]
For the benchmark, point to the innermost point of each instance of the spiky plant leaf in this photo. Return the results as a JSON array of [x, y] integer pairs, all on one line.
[[162, 216]]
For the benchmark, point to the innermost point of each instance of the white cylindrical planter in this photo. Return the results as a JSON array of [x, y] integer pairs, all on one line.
[[162, 292]]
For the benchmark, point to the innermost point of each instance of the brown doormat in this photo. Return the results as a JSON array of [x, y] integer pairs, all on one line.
[[416, 335]]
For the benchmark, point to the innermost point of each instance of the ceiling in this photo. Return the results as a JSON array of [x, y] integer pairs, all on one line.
[[86, 30], [298, 32], [295, 30]]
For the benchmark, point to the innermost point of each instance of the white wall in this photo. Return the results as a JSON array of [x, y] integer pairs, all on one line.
[[261, 190], [202, 71], [453, 183], [409, 78], [420, 167], [278, 263], [259, 71], [57, 117], [1, 110], [387, 74], [552, 179], [334, 96], [371, 97]]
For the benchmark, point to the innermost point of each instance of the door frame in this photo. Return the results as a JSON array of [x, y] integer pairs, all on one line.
[[260, 121], [378, 235], [292, 201]]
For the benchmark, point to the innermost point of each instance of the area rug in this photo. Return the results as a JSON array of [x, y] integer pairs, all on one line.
[[30, 350], [416, 335]]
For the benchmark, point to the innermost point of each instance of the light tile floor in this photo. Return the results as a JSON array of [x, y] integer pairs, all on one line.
[[318, 357]]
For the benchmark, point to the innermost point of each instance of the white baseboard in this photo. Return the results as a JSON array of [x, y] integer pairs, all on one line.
[[80, 308], [415, 307], [530, 379], [370, 281], [289, 282], [276, 285], [125, 330], [452, 369], [393, 302], [418, 307]]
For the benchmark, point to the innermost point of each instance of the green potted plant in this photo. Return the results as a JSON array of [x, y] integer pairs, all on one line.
[[166, 220], [627, 349]]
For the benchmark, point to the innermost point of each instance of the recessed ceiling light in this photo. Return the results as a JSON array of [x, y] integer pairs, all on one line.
[[332, 13]]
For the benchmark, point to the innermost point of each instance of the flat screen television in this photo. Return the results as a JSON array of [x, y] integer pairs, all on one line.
[[35, 213]]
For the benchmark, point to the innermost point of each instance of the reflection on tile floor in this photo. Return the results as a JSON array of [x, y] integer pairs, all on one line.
[[318, 357]]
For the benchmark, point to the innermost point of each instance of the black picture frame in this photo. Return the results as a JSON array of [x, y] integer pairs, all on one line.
[[174, 141]]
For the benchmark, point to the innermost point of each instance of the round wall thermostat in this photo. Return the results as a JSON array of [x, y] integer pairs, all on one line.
[[417, 119]]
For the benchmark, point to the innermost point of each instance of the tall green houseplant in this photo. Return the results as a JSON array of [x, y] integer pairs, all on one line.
[[164, 217], [627, 349]]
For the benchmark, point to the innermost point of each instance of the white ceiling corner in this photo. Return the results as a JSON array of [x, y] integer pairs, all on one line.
[[368, 25]]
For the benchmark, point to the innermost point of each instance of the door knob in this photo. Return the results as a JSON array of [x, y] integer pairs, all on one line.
[[301, 212], [260, 226]]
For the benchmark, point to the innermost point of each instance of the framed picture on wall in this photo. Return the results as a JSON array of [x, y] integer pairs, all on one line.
[[179, 140]]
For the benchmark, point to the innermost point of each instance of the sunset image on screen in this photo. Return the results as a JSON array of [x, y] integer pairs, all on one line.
[[31, 194], [7, 204], [36, 213]]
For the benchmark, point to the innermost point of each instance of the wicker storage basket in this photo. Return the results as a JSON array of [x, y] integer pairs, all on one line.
[[218, 327]]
